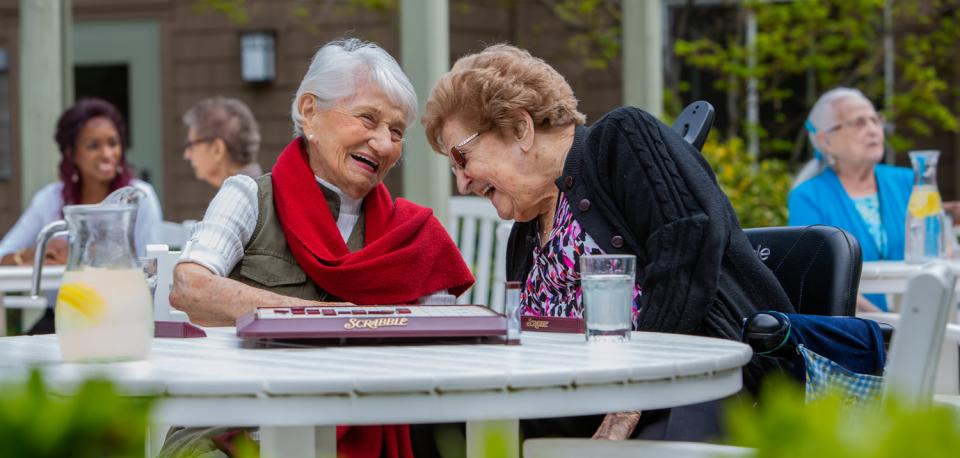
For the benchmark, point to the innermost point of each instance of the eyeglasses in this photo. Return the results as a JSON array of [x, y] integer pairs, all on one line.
[[860, 122], [191, 143], [457, 153]]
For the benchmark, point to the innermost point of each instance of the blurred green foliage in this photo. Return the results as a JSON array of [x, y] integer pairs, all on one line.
[[235, 10], [806, 47], [93, 422], [785, 426], [756, 188]]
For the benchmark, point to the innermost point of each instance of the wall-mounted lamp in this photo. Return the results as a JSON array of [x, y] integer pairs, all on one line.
[[258, 56]]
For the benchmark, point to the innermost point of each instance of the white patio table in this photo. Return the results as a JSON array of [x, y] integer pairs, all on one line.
[[287, 388], [19, 279], [890, 277], [15, 278]]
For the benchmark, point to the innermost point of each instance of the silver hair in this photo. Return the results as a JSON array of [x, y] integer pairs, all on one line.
[[823, 115], [229, 120], [338, 66]]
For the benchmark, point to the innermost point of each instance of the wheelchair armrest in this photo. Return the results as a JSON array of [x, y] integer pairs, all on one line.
[[767, 335]]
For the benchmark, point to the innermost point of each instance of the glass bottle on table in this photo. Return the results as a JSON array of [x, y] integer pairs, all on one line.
[[511, 309], [104, 310], [926, 231]]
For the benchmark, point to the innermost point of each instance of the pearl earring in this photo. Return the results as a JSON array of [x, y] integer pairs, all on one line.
[[75, 177], [311, 137]]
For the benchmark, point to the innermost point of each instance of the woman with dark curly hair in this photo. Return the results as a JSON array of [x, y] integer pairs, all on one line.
[[92, 138]]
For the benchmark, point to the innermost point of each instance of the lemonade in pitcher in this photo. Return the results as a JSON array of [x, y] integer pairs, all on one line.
[[925, 230], [104, 310], [102, 315]]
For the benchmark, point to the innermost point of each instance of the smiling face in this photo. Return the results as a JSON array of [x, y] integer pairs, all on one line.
[[499, 169], [98, 151], [356, 142], [857, 134]]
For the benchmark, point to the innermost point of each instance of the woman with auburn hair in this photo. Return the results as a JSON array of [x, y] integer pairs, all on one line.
[[627, 184], [92, 138]]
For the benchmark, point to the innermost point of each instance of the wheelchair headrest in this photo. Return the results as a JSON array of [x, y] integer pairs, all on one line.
[[817, 266], [694, 122]]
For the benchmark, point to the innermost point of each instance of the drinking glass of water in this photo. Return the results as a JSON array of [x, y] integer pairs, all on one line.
[[149, 266], [608, 284]]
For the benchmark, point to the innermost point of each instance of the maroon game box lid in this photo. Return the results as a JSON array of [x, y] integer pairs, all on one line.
[[371, 322], [552, 324]]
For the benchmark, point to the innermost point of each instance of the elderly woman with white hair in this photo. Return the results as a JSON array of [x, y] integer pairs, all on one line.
[[852, 189], [322, 226]]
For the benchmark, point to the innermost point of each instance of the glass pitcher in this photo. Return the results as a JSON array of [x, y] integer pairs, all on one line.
[[104, 311], [926, 232]]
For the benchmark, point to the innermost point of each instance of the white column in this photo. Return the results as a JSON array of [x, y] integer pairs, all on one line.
[[425, 56], [643, 55], [753, 97], [889, 72], [44, 81]]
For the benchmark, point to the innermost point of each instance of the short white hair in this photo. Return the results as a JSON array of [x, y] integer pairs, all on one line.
[[339, 65], [823, 115]]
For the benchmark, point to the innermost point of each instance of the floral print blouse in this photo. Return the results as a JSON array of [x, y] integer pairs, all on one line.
[[552, 287]]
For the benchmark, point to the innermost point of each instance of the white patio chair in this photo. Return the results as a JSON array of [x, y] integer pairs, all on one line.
[[482, 238], [570, 448], [174, 234], [915, 351], [166, 261]]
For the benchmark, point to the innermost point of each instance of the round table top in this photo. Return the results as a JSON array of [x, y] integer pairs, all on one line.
[[223, 380]]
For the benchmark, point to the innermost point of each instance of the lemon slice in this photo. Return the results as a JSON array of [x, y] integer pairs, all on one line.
[[924, 203], [83, 299]]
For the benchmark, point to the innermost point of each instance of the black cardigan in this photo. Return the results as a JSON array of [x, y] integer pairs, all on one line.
[[638, 188]]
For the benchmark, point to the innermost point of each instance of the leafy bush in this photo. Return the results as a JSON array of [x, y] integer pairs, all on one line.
[[784, 426], [94, 422], [756, 188]]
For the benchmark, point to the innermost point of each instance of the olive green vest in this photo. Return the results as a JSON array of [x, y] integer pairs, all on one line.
[[267, 261]]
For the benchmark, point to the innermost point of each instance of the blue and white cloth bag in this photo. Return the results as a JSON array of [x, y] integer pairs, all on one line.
[[825, 376]]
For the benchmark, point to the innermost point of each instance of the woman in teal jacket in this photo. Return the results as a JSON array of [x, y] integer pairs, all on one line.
[[853, 190]]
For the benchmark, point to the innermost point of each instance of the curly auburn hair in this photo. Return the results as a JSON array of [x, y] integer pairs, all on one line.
[[69, 125], [486, 89]]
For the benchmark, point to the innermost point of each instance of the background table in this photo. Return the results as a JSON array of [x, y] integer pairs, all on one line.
[[890, 277], [20, 279], [287, 388]]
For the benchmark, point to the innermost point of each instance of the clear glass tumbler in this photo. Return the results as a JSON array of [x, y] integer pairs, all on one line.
[[608, 284]]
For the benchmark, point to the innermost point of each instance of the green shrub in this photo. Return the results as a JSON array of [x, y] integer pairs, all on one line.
[[757, 189], [784, 426], [93, 422]]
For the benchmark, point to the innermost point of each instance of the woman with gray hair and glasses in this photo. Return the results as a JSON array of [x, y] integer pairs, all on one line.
[[852, 189], [222, 140], [322, 227]]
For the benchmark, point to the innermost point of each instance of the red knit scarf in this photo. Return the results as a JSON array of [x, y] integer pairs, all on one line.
[[407, 254]]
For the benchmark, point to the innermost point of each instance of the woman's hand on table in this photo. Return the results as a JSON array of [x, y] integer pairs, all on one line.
[[211, 300], [57, 253], [864, 305], [618, 425], [953, 209]]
